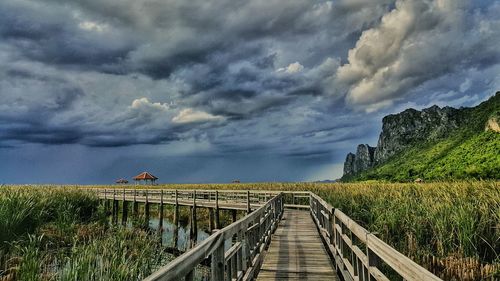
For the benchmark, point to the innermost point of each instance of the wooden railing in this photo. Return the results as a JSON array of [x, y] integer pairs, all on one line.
[[229, 199], [188, 196], [358, 253], [247, 238]]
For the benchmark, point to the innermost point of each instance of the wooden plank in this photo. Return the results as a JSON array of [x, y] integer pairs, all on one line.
[[296, 251]]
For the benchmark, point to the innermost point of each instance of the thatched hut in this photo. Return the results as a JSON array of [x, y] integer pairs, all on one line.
[[145, 176]]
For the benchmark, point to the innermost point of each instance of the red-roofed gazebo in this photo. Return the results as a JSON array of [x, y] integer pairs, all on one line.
[[145, 176]]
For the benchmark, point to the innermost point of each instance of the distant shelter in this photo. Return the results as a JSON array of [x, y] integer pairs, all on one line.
[[146, 177], [122, 181]]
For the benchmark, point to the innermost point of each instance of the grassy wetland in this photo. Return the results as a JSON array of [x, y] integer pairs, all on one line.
[[63, 234], [59, 233]]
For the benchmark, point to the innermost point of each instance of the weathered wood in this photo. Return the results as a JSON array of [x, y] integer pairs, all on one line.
[[234, 215], [194, 224], [296, 251], [124, 212], [176, 220], [146, 211], [211, 222], [364, 265], [181, 266], [214, 246], [115, 211], [160, 212], [217, 218], [106, 207], [248, 202], [135, 207], [217, 265]]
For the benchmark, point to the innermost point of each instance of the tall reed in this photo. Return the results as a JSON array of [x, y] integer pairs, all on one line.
[[60, 233]]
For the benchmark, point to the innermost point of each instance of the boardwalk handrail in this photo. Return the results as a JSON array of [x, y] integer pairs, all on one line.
[[249, 236], [343, 235], [255, 198], [237, 199]]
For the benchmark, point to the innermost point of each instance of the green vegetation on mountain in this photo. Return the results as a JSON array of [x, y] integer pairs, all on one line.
[[471, 149]]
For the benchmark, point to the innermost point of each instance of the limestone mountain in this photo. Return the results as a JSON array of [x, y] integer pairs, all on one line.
[[434, 143]]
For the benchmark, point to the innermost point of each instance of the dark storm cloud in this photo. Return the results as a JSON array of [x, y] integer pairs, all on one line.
[[51, 35], [291, 78], [37, 134]]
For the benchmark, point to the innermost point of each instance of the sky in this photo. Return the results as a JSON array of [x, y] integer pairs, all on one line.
[[215, 90]]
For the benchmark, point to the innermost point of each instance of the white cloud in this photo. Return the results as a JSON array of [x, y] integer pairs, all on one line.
[[418, 41], [144, 103], [93, 26], [189, 115], [292, 68]]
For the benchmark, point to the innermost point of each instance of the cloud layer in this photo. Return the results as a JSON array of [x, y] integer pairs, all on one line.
[[293, 78]]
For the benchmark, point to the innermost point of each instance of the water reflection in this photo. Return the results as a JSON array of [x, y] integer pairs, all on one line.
[[168, 234]]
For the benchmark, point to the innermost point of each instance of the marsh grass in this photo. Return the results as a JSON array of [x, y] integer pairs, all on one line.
[[60, 233]]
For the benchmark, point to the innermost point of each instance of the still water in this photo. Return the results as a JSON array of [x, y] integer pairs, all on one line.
[[168, 236]]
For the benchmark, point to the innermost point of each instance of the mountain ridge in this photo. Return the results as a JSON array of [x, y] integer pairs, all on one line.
[[417, 141]]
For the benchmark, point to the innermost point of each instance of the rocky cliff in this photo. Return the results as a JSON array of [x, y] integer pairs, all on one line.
[[361, 161], [432, 143], [401, 131]]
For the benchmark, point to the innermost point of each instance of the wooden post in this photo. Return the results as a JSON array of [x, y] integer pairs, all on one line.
[[234, 215], [248, 202], [124, 208], [176, 219], [124, 212], [136, 205], [106, 203], [229, 268], [217, 220], [146, 211], [211, 219], [115, 211], [176, 209], [373, 259], [311, 204], [160, 212], [194, 224], [239, 256], [115, 208], [217, 265], [106, 207]]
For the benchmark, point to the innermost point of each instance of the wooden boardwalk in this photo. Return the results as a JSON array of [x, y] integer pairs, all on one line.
[[296, 251]]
